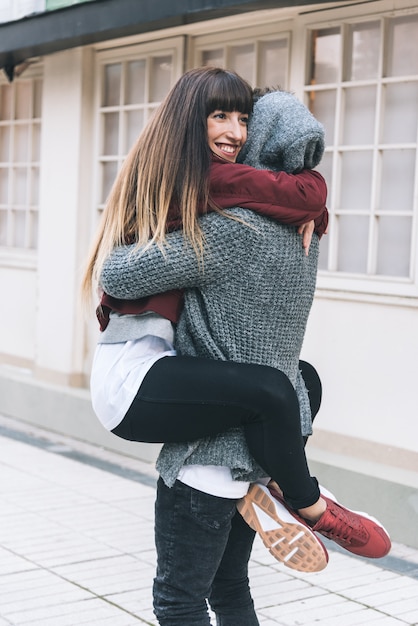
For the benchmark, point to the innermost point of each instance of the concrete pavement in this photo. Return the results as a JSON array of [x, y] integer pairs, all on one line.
[[76, 548]]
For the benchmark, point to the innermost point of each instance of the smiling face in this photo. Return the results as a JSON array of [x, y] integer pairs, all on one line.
[[227, 133]]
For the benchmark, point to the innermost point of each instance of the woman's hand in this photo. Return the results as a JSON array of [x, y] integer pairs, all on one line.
[[306, 230]]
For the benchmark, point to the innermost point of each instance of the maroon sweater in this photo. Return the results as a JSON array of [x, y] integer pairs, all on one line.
[[292, 199]]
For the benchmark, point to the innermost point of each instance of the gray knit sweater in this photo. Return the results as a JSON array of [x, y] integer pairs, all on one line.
[[251, 299]]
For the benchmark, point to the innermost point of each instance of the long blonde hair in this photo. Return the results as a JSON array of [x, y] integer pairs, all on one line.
[[167, 168]]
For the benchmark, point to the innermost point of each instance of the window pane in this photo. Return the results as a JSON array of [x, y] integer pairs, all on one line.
[[325, 168], [323, 253], [4, 185], [394, 246], [109, 171], [400, 118], [322, 104], [23, 101], [3, 228], [21, 143], [273, 63], [135, 87], [363, 53], [325, 54], [37, 98], [241, 59], [356, 180], [403, 46], [19, 186], [160, 78], [19, 226], [5, 102], [213, 57], [134, 125], [359, 128], [112, 80], [397, 180], [4, 143], [150, 113], [36, 142], [110, 133], [33, 229], [353, 235], [34, 187]]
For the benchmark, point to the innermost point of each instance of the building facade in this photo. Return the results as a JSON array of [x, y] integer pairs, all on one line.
[[72, 100]]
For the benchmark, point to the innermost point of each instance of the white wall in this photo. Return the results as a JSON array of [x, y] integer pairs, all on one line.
[[18, 285], [65, 215], [366, 354]]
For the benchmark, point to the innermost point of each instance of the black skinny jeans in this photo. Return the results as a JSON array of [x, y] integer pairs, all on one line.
[[185, 398]]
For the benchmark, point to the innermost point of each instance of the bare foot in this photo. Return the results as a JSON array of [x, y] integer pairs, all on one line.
[[313, 513], [275, 486]]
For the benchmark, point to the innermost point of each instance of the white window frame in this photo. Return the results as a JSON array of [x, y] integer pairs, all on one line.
[[14, 256], [171, 46], [243, 36], [357, 285]]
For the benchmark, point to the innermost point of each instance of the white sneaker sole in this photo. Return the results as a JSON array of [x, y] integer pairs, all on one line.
[[289, 541]]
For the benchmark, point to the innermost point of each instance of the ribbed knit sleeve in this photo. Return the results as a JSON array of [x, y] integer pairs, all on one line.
[[131, 273]]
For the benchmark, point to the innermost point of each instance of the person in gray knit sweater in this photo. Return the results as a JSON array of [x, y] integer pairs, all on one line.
[[246, 300]]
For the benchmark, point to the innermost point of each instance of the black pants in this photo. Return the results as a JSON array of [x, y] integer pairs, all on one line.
[[203, 548], [186, 398]]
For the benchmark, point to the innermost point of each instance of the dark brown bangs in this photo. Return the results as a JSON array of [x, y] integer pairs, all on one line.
[[228, 92]]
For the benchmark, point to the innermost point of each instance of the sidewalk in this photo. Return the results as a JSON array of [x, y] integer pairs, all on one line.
[[76, 548]]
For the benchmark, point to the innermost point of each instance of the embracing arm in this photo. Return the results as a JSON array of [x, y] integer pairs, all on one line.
[[292, 199], [130, 273], [275, 174]]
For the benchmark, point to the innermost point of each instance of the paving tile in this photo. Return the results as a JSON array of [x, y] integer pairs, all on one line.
[[104, 576], [409, 617], [347, 586], [283, 593], [22, 602], [376, 591], [403, 604], [43, 593], [310, 610], [363, 617], [34, 579], [11, 563], [124, 619], [389, 621], [70, 614]]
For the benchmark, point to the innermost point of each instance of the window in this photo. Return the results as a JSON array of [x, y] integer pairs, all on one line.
[[131, 88], [263, 60], [362, 84], [20, 133]]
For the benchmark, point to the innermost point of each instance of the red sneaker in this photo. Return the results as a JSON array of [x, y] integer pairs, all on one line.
[[286, 535], [356, 532]]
